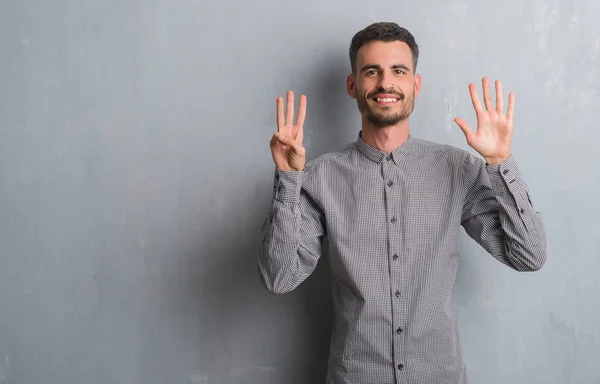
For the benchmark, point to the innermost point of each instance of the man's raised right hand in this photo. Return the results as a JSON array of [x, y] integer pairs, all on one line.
[[286, 144]]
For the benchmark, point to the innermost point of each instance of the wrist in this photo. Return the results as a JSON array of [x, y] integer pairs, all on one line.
[[495, 160], [290, 169]]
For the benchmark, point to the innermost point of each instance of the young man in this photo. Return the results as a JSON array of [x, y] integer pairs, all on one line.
[[392, 206]]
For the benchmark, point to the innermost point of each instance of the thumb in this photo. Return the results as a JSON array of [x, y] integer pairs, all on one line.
[[464, 126], [287, 140]]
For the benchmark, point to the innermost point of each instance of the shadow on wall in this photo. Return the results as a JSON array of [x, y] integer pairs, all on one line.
[[244, 334], [257, 337]]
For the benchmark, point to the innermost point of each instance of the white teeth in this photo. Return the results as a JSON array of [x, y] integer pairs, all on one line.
[[386, 100]]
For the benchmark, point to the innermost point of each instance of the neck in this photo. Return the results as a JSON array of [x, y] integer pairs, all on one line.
[[385, 139]]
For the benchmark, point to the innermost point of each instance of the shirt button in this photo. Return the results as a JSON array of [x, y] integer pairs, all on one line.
[[522, 210], [388, 157], [397, 293], [390, 183], [393, 219], [505, 171], [400, 366], [399, 330], [395, 257]]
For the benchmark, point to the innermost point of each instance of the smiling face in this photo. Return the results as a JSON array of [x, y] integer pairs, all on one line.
[[384, 85]]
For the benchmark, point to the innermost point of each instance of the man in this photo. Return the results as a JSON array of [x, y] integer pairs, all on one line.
[[392, 206]]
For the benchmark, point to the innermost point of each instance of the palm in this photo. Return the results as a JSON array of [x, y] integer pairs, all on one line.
[[286, 145], [493, 136]]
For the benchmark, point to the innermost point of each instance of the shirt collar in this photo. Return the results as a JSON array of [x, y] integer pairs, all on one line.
[[378, 156]]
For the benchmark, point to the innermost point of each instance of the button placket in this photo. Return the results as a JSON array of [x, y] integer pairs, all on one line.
[[393, 199], [386, 171]]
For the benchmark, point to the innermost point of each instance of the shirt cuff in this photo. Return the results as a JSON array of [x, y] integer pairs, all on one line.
[[287, 185], [505, 177]]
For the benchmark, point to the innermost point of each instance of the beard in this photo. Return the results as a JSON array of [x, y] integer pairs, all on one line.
[[382, 117]]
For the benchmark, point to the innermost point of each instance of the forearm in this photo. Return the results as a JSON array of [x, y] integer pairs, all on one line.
[[291, 236], [524, 235], [501, 217]]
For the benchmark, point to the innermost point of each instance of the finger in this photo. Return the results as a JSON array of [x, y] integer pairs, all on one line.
[[300, 135], [464, 126], [280, 121], [475, 98], [289, 119], [511, 106], [487, 97], [499, 97], [301, 117]]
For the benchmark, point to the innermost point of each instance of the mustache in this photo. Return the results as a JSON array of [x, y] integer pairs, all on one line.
[[379, 91]]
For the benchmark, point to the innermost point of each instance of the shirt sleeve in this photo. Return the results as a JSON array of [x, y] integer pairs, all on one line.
[[292, 234], [498, 213]]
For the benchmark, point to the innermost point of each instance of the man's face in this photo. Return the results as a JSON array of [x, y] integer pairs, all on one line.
[[385, 85]]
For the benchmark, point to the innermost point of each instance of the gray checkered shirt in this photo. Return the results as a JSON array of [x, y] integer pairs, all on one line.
[[393, 224]]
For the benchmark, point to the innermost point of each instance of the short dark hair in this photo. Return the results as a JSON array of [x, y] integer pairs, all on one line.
[[386, 32]]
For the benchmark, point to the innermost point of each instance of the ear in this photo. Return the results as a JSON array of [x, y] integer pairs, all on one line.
[[351, 85], [417, 84]]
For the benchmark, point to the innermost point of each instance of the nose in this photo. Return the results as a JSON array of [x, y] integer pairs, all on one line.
[[385, 80]]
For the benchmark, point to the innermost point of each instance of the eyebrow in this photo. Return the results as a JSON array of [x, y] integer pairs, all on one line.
[[378, 67]]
